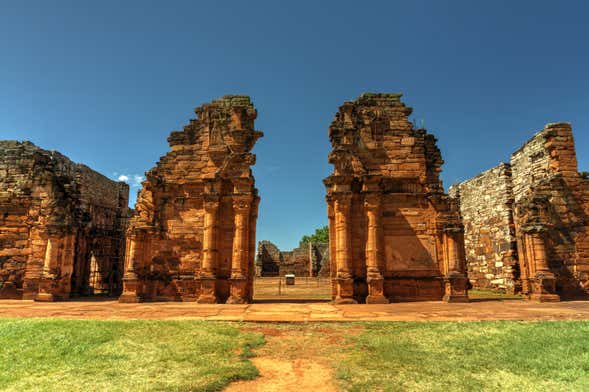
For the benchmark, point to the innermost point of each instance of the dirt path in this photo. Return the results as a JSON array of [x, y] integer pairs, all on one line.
[[280, 375], [297, 359]]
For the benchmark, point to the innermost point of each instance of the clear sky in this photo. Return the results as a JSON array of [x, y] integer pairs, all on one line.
[[104, 82]]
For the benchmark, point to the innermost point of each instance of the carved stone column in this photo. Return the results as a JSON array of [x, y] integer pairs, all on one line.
[[544, 282], [130, 282], [208, 273], [455, 281], [47, 281], [241, 208], [332, 246], [345, 279], [374, 278]]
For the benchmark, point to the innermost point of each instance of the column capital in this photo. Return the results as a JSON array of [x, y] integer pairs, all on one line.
[[372, 201], [242, 202], [211, 202], [342, 199]]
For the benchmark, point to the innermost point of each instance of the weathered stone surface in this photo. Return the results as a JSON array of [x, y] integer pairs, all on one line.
[[193, 234], [394, 234], [549, 211], [486, 203], [310, 259], [61, 226]]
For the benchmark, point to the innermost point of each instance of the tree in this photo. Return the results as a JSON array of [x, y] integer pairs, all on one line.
[[321, 235]]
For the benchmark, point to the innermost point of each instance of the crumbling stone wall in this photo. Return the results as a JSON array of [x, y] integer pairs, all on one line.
[[61, 226], [486, 203], [193, 234], [549, 212], [311, 259], [394, 234]]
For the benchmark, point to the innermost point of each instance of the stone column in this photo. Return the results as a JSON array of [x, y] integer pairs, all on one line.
[[345, 279], [544, 282], [332, 246], [130, 282], [209, 266], [46, 283], [241, 208], [374, 278], [455, 281]]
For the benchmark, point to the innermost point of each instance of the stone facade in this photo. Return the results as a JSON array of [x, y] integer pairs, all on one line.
[[311, 259], [548, 208], [193, 235], [394, 234], [486, 203], [62, 226]]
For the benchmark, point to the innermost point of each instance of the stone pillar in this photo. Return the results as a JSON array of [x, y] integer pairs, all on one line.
[[130, 282], [332, 246], [47, 281], [374, 278], [208, 273], [241, 208], [544, 282], [345, 279], [455, 281]]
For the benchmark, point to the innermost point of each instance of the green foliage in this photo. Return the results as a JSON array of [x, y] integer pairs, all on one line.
[[478, 356], [138, 355], [321, 235]]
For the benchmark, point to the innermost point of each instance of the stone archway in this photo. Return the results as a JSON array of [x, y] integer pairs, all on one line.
[[394, 234]]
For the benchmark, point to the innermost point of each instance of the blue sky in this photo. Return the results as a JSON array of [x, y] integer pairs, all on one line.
[[106, 82]]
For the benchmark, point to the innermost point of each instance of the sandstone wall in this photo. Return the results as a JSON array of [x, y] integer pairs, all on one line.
[[486, 203], [549, 209], [61, 224]]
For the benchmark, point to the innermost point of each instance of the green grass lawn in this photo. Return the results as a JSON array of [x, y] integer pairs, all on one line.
[[70, 355], [444, 356]]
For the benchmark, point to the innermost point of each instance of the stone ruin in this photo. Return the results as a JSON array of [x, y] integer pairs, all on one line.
[[62, 226], [308, 260], [394, 234], [527, 221], [193, 235]]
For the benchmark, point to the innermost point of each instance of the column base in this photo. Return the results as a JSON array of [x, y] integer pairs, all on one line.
[[206, 299], [455, 288], [377, 299], [344, 301], [207, 290], [455, 298], [238, 291], [544, 288], [44, 297], [545, 297], [130, 285], [345, 291], [375, 288], [129, 298]]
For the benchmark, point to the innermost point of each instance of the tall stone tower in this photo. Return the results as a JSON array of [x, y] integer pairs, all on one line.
[[394, 234], [193, 234]]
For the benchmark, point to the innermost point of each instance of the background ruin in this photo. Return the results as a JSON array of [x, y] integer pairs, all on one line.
[[62, 226], [309, 259]]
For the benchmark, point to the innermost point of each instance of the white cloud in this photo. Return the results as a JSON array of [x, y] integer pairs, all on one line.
[[134, 180], [137, 180]]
